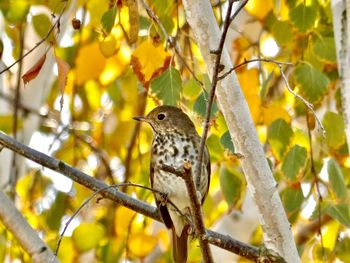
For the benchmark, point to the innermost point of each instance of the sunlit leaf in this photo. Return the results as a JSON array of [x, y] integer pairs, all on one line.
[[167, 86], [149, 61], [279, 135], [336, 179], [231, 184], [108, 19], [123, 218], [142, 244], [343, 248], [6, 123], [303, 17], [191, 89], [215, 148], [282, 32], [341, 213], [324, 49], [133, 20], [271, 113], [258, 8], [17, 10], [313, 83], [63, 70], [89, 63], [334, 126], [87, 236], [109, 46], [294, 162], [33, 72], [42, 25]]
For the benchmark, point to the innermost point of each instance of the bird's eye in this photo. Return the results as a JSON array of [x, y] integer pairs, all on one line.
[[161, 116]]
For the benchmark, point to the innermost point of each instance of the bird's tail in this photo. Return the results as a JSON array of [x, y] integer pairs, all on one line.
[[180, 245]]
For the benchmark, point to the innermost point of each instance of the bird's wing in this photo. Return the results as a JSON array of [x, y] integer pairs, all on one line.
[[162, 208]]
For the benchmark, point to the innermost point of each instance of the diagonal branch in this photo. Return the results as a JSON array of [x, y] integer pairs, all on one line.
[[214, 238]]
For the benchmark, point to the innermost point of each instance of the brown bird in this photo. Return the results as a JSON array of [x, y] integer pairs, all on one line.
[[175, 141]]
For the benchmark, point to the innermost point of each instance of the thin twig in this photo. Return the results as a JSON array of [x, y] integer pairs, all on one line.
[[217, 239], [170, 41], [214, 82], [186, 174], [14, 167], [279, 64], [56, 24]]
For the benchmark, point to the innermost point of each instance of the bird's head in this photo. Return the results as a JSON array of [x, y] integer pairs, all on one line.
[[167, 119]]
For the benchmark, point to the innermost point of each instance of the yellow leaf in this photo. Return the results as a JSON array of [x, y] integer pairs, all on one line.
[[259, 8], [249, 80], [123, 217], [109, 46], [142, 244], [89, 63], [330, 235], [116, 65], [164, 239], [149, 61], [274, 112]]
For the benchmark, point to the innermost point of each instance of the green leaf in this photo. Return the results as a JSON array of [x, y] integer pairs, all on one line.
[[226, 141], [341, 213], [215, 148], [15, 11], [294, 161], [6, 122], [167, 86], [292, 199], [324, 49], [313, 83], [342, 249], [279, 135], [282, 32], [200, 106], [231, 183], [303, 17], [87, 236], [42, 25], [336, 179], [108, 19], [334, 125], [191, 89]]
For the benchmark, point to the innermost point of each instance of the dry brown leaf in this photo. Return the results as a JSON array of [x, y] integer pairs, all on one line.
[[63, 70], [34, 70]]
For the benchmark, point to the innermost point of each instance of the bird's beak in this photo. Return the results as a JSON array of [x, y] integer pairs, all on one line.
[[140, 118]]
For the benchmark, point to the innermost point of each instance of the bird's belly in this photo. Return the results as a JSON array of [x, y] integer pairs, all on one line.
[[174, 187]]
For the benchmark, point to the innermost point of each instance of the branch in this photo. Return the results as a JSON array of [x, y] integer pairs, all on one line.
[[214, 82], [277, 233], [196, 210], [23, 232], [56, 24], [279, 64], [217, 239]]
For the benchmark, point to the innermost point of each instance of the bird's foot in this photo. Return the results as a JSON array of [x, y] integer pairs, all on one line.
[[163, 198]]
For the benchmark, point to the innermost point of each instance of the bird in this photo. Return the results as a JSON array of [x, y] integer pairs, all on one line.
[[175, 141]]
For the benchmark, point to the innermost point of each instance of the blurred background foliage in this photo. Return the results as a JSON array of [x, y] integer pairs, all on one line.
[[118, 64]]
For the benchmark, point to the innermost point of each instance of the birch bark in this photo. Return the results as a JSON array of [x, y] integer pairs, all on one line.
[[341, 25], [277, 233]]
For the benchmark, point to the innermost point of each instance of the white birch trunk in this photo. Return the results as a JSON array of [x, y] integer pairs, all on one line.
[[26, 236], [277, 233], [341, 25]]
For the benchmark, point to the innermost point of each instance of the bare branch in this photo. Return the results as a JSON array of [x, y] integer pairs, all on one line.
[[196, 210], [136, 205]]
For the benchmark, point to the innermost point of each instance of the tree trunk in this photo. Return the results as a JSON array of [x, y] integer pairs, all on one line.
[[277, 233], [341, 25]]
